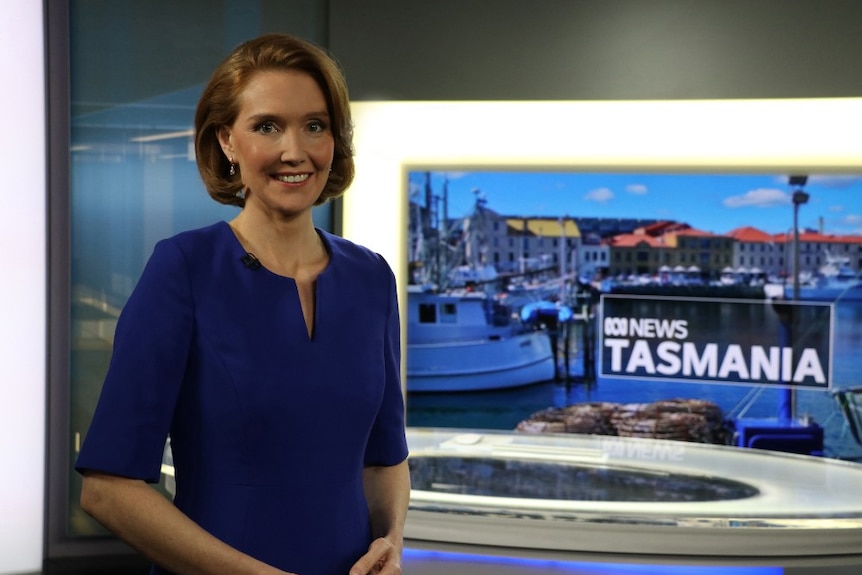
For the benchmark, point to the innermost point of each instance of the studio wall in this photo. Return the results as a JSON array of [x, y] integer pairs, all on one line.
[[597, 49]]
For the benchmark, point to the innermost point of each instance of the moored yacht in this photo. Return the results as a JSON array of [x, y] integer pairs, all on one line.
[[836, 280]]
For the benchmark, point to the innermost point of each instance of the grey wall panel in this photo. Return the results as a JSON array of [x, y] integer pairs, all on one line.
[[598, 49]]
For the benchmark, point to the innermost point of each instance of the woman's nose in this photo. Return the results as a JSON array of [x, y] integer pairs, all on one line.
[[292, 151]]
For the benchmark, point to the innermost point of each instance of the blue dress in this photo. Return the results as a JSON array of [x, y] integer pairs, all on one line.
[[270, 428]]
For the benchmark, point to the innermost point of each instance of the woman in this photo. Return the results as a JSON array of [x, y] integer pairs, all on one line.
[[267, 349]]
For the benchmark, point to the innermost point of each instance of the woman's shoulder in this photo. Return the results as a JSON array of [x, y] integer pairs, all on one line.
[[197, 242], [207, 235], [192, 248], [342, 248], [348, 255]]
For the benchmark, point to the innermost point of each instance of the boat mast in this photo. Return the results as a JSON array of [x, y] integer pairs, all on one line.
[[562, 257], [443, 233], [426, 225]]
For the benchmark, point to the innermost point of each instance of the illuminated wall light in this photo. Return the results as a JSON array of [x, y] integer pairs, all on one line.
[[164, 136]]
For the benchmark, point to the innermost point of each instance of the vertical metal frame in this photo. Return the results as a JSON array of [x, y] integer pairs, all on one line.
[[57, 542]]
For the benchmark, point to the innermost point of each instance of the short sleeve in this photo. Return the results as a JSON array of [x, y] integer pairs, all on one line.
[[387, 443], [151, 346]]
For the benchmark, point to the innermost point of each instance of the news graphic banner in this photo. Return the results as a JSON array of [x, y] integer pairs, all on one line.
[[750, 342]]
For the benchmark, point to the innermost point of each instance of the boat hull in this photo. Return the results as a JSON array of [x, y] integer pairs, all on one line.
[[480, 365]]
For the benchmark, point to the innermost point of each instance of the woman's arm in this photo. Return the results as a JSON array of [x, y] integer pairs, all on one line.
[[387, 490], [147, 521]]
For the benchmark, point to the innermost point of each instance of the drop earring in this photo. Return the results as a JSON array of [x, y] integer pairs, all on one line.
[[232, 170]]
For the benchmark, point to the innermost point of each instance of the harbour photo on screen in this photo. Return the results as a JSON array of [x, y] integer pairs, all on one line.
[[711, 307]]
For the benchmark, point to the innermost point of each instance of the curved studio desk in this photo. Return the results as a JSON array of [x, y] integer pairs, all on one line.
[[602, 499], [512, 503]]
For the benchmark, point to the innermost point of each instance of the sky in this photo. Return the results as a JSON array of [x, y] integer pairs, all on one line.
[[716, 203]]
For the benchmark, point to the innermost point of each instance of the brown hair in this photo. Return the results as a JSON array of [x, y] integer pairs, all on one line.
[[219, 105]]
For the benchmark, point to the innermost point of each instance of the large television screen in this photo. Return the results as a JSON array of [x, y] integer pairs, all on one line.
[[691, 306]]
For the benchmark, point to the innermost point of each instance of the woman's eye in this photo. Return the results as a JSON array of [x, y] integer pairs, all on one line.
[[316, 126], [267, 128]]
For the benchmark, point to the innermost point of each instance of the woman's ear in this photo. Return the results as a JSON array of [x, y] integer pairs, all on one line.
[[225, 141]]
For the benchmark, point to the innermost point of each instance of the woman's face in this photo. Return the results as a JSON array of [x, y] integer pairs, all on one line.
[[282, 141]]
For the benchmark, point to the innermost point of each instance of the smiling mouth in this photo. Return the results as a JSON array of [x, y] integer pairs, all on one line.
[[292, 178]]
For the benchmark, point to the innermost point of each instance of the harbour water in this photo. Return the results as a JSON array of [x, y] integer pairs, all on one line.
[[504, 409]]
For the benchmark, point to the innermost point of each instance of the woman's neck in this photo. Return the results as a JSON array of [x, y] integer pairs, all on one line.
[[287, 247]]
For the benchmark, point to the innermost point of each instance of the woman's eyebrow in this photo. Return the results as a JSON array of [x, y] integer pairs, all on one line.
[[262, 116]]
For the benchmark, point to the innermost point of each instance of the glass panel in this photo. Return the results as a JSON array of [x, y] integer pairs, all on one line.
[[136, 72], [530, 479]]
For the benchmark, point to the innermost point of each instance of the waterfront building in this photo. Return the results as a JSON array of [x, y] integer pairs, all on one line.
[[669, 251], [756, 251], [757, 254]]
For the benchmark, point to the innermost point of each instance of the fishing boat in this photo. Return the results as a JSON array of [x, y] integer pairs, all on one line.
[[462, 334], [468, 341]]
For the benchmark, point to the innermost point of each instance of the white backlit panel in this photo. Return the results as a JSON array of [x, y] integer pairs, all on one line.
[[22, 288]]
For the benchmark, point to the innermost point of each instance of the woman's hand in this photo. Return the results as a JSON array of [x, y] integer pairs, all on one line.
[[383, 558], [387, 490]]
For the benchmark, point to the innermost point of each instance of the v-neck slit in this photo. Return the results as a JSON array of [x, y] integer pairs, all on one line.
[[309, 327]]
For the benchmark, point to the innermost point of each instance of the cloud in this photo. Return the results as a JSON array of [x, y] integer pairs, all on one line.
[[599, 195], [834, 182], [638, 189], [845, 224], [836, 209], [761, 198]]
